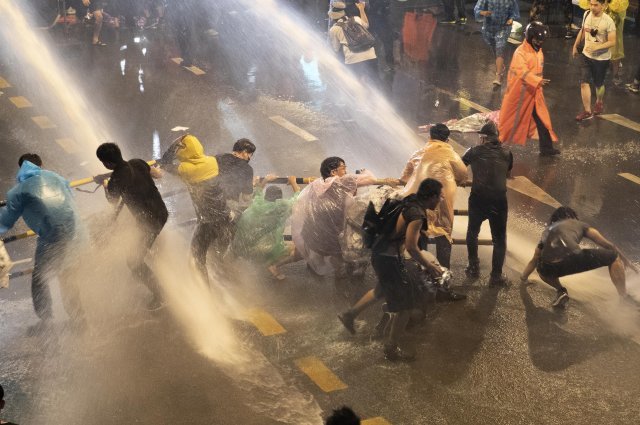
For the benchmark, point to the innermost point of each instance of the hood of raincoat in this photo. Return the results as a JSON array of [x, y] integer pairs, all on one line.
[[45, 202], [195, 166], [27, 169]]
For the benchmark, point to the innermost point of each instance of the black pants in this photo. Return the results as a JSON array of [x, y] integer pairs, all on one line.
[[139, 267], [449, 9], [205, 236], [394, 281], [495, 210], [443, 251], [544, 137], [49, 259]]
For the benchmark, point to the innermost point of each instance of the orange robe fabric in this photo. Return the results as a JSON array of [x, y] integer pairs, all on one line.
[[523, 93]]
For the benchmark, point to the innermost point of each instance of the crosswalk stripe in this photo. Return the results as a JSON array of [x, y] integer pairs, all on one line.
[[266, 323], [4, 83], [320, 374], [293, 128], [630, 177], [527, 187], [20, 102], [43, 122], [376, 421], [465, 101], [620, 120], [194, 69]]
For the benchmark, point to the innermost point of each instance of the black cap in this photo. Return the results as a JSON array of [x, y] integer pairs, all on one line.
[[489, 129], [439, 132]]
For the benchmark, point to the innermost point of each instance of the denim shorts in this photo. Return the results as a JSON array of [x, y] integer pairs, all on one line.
[[496, 39]]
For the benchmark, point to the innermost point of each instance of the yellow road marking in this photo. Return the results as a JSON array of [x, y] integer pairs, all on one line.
[[20, 102], [527, 187], [620, 120], [266, 323], [630, 177], [4, 83], [293, 128], [320, 374], [194, 69], [68, 144], [376, 421], [43, 122], [464, 101]]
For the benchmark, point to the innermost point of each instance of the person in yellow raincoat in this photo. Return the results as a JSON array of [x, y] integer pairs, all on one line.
[[617, 10], [523, 110], [440, 162]]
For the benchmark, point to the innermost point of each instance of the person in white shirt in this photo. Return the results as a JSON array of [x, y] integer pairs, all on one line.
[[599, 35], [364, 64]]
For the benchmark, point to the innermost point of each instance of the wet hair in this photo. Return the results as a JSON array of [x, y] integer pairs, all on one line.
[[330, 164], [428, 189], [272, 193], [601, 1], [33, 158], [109, 152], [563, 213], [343, 416], [244, 145]]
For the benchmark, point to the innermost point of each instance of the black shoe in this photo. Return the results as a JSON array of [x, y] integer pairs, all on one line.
[[395, 354], [448, 295], [561, 300], [347, 320], [500, 280], [472, 271], [549, 152]]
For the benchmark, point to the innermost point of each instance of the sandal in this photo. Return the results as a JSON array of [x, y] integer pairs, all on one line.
[[99, 43], [275, 274]]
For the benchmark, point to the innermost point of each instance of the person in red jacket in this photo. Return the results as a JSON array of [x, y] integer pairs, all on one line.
[[523, 109]]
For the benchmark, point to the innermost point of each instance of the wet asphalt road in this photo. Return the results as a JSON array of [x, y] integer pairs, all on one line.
[[502, 356]]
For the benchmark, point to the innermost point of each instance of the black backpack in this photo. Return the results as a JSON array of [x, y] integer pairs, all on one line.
[[378, 224], [358, 38]]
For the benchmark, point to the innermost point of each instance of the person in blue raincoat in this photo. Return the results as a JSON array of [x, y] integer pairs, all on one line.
[[44, 200]]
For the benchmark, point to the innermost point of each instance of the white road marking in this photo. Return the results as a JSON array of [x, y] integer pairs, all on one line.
[[464, 101], [194, 69], [293, 128]]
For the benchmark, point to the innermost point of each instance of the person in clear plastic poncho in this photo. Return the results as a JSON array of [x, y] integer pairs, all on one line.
[[45, 202], [319, 215], [259, 235]]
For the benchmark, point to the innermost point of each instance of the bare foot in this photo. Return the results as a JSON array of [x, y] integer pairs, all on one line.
[[275, 273]]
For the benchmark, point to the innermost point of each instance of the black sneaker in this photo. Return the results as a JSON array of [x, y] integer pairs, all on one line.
[[347, 320], [561, 300], [443, 294], [395, 354], [550, 152], [472, 271], [500, 280]]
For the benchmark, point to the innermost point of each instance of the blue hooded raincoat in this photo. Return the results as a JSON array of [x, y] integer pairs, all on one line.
[[45, 202]]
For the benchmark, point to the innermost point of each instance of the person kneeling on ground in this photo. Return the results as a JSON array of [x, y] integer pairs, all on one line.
[[259, 235], [559, 254]]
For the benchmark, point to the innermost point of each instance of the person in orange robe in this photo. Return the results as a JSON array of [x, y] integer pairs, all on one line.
[[523, 108]]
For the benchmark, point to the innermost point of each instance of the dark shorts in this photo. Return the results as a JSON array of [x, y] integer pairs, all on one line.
[[592, 70], [585, 260], [394, 282]]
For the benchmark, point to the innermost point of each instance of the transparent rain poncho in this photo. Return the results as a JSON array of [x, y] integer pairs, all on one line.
[[5, 266], [471, 124], [259, 235], [319, 218]]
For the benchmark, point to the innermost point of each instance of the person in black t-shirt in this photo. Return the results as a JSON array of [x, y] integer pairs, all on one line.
[[388, 261], [559, 254], [491, 164], [132, 184], [236, 180]]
